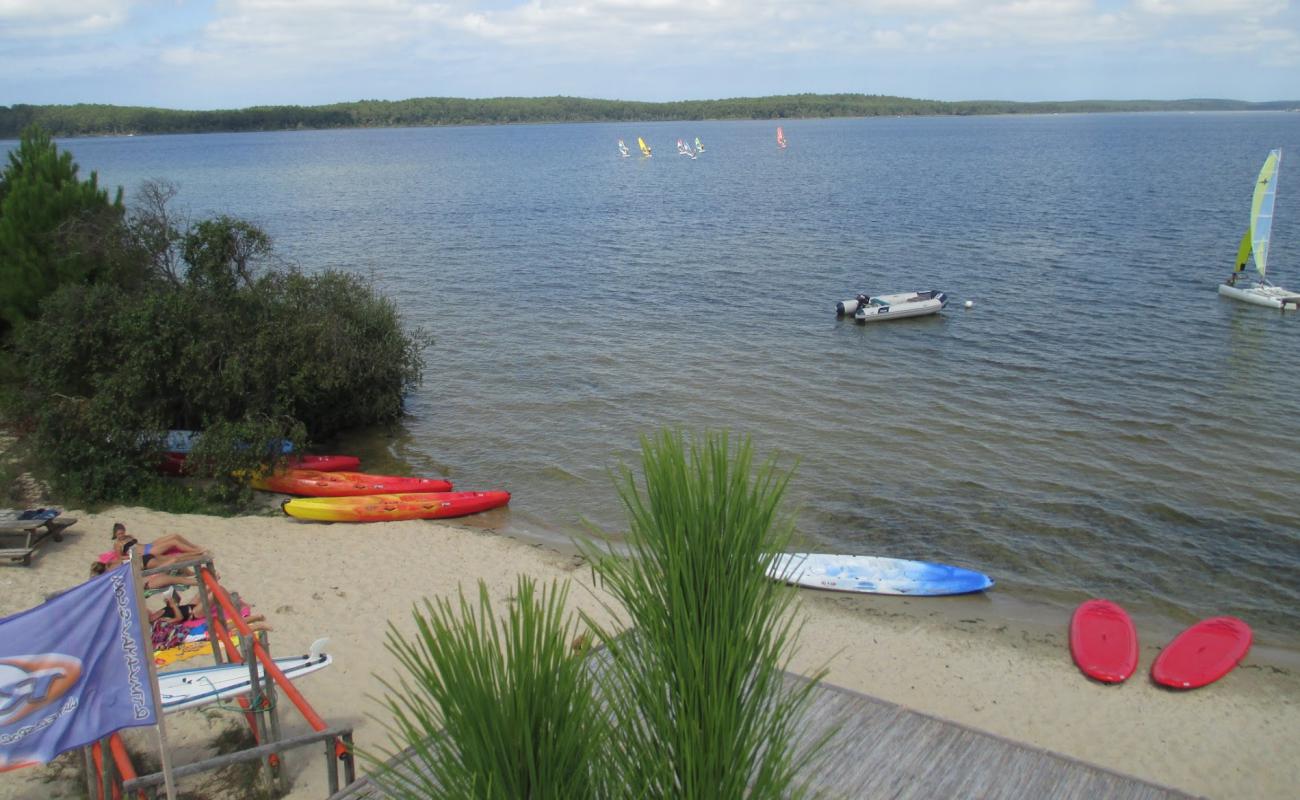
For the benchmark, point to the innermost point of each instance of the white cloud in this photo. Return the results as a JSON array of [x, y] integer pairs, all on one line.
[[459, 46], [1282, 47], [1258, 8], [49, 18]]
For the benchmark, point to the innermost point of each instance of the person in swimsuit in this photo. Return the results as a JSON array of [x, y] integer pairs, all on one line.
[[169, 544], [159, 581], [177, 612]]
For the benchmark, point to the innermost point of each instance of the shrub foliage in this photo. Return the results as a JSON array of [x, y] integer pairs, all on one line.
[[196, 327], [54, 228]]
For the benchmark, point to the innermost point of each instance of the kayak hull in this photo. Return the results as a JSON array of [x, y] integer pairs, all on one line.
[[385, 507], [318, 483], [174, 463]]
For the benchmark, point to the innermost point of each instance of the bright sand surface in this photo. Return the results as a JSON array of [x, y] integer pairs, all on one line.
[[966, 659]]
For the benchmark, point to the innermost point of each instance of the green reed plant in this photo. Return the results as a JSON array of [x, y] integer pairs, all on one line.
[[494, 708], [696, 691]]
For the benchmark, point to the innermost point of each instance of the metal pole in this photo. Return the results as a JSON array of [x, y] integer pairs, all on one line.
[[105, 773], [349, 760], [207, 607], [90, 772], [273, 715], [332, 765], [255, 698], [146, 631]]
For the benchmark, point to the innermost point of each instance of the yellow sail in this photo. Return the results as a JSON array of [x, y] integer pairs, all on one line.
[[645, 149]]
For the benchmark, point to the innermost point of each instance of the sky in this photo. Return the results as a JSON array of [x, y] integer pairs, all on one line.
[[209, 54]]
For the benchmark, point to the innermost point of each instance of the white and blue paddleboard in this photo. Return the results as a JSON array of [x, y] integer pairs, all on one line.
[[190, 688], [874, 575]]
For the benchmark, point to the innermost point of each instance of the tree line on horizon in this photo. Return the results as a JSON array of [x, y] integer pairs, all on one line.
[[89, 119]]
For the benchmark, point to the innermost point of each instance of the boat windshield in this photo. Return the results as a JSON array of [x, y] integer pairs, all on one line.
[[876, 301]]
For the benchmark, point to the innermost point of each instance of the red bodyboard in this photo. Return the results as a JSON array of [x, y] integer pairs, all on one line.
[[1203, 653], [1103, 641]]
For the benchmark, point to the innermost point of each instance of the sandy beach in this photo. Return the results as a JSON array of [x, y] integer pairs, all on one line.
[[963, 659]]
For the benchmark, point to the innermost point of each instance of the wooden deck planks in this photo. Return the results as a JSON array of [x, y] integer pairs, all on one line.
[[883, 750]]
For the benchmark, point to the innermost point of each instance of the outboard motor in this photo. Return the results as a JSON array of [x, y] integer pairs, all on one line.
[[849, 306]]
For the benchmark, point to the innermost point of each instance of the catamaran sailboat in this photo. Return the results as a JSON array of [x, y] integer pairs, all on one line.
[[645, 148], [1260, 292], [780, 137], [622, 149]]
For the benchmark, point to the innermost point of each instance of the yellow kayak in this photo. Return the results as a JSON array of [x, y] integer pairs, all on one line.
[[381, 507]]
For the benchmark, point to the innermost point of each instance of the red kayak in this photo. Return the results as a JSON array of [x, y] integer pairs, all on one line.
[[1103, 641], [315, 483], [1202, 654], [174, 463], [381, 507]]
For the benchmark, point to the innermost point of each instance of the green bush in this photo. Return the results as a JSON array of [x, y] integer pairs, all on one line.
[[55, 229], [196, 329]]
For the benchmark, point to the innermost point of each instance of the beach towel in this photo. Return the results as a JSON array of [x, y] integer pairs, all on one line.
[[186, 651]]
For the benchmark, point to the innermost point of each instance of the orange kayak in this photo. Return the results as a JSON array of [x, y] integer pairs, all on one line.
[[315, 483], [381, 507]]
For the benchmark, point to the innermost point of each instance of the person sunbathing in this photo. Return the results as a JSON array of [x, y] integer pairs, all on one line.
[[178, 612], [168, 628], [169, 544], [171, 547], [159, 580]]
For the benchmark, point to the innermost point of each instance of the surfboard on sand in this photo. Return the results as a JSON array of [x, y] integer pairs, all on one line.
[[1103, 641], [875, 575], [1202, 654], [190, 688]]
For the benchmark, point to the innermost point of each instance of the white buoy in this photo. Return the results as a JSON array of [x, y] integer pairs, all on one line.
[[970, 303]]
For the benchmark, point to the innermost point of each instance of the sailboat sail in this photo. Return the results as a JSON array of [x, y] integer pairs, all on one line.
[[1261, 215], [622, 148], [780, 137], [699, 148], [645, 149], [1260, 292]]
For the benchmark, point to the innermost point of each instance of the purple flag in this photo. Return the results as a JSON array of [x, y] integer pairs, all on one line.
[[73, 670]]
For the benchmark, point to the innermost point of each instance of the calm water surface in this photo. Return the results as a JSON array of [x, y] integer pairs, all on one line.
[[1101, 423]]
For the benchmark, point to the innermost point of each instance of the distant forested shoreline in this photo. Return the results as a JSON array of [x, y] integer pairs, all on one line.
[[85, 119]]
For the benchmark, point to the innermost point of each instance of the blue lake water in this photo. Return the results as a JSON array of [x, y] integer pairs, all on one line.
[[1101, 423]]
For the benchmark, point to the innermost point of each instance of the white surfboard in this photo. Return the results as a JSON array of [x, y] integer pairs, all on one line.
[[191, 688], [875, 575]]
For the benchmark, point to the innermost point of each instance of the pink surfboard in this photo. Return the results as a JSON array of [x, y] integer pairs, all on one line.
[[1202, 654], [1103, 641]]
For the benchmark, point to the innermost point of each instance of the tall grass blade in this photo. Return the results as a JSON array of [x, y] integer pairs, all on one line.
[[493, 708], [697, 692]]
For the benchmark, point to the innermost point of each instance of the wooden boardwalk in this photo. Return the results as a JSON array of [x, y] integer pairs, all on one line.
[[883, 750]]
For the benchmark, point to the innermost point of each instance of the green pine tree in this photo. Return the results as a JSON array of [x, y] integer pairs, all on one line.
[[54, 228]]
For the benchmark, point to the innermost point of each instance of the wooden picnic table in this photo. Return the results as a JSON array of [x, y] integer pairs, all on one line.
[[34, 531]]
